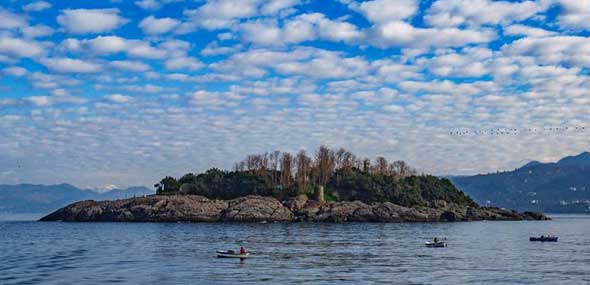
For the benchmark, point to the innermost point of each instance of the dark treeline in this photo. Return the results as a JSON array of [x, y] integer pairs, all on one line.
[[343, 175]]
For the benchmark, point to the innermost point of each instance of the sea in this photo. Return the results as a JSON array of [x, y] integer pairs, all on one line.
[[489, 252]]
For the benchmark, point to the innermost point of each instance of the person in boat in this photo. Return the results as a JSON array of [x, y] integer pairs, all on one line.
[[242, 250], [435, 240]]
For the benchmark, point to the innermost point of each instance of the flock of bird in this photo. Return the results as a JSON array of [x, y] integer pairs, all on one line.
[[513, 131]]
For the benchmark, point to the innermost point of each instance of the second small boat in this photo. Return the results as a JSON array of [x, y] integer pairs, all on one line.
[[544, 238], [436, 244], [231, 254]]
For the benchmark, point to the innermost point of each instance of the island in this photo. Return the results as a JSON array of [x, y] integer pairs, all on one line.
[[332, 186]]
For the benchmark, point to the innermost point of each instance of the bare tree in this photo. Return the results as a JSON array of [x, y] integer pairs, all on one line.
[[273, 159], [251, 162], [402, 169], [339, 160], [303, 175], [325, 163], [366, 165], [286, 164], [381, 165], [241, 166]]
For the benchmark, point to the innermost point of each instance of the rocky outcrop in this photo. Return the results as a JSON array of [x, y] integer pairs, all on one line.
[[256, 209], [191, 208], [147, 209]]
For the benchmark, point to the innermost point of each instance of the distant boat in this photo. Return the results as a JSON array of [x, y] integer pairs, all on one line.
[[544, 238], [437, 243], [231, 254]]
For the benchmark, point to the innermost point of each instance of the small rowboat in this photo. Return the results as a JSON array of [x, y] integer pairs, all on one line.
[[544, 238], [436, 244], [231, 254]]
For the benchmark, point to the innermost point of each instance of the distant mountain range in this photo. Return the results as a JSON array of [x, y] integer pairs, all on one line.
[[29, 198], [559, 187]]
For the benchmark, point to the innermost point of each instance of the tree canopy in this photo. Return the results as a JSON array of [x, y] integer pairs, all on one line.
[[344, 176]]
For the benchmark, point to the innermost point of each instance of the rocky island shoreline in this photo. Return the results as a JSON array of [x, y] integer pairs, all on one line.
[[333, 186], [256, 209]]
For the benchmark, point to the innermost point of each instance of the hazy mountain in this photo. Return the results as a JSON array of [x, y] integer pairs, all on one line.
[[29, 198], [562, 186]]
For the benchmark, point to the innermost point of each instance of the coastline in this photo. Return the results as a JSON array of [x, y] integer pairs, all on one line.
[[256, 209]]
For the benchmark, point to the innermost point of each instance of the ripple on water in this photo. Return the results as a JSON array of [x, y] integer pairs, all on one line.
[[478, 253]]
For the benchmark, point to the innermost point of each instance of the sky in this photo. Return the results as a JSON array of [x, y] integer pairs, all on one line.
[[118, 93]]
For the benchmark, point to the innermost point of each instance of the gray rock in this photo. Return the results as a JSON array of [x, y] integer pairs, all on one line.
[[297, 203], [256, 209], [192, 208]]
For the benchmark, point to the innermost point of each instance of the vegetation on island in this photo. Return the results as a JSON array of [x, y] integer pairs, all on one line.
[[343, 175]]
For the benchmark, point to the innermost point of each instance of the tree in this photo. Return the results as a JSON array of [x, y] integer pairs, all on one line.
[[366, 165], [325, 164], [273, 159], [343, 175], [240, 166], [286, 164], [381, 166], [303, 175], [167, 185], [402, 169]]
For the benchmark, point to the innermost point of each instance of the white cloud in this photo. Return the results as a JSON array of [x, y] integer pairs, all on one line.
[[128, 65], [155, 26], [105, 45], [7, 102], [70, 65], [219, 14], [118, 98], [452, 13], [108, 44], [15, 71], [575, 14], [314, 63], [523, 30], [148, 4], [178, 63], [147, 88], [20, 48], [382, 11], [387, 70], [39, 101], [90, 21], [393, 108], [9, 20], [50, 81], [37, 6], [37, 31], [273, 7], [261, 33], [470, 62], [214, 49], [203, 98], [153, 4], [402, 34], [304, 27], [222, 14], [328, 29], [570, 50]]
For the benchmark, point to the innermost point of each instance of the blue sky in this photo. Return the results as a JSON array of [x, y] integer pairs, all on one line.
[[102, 93]]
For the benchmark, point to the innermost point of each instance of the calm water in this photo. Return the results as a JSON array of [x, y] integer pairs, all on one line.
[[478, 253]]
